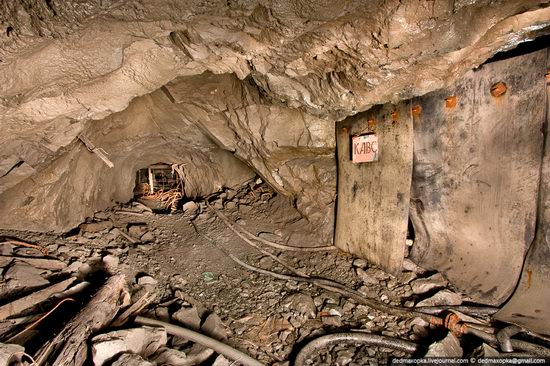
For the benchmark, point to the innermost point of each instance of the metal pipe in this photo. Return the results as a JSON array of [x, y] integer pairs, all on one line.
[[517, 345], [504, 335], [353, 338]]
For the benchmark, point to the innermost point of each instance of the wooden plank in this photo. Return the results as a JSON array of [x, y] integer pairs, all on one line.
[[373, 197], [530, 305], [17, 306], [476, 176]]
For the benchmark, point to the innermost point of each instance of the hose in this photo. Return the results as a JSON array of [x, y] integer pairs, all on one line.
[[217, 346], [469, 310], [517, 344], [354, 338], [504, 335]]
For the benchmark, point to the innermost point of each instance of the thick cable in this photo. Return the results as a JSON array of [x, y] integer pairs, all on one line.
[[324, 342]]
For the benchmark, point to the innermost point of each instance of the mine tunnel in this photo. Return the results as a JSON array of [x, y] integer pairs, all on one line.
[[274, 183]]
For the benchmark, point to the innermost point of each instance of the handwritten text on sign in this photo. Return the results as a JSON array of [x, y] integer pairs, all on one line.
[[364, 148]]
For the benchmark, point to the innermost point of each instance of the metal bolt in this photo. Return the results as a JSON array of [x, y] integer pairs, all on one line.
[[498, 89], [416, 110], [394, 116], [450, 102]]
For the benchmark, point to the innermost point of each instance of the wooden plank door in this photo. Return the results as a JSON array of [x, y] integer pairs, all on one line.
[[373, 197]]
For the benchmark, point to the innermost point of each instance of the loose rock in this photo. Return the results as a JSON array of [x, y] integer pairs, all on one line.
[[301, 303], [143, 341], [443, 297]]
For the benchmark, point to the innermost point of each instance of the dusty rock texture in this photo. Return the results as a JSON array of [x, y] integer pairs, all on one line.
[[264, 80]]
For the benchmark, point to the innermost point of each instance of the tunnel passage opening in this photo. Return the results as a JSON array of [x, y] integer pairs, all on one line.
[[161, 187]]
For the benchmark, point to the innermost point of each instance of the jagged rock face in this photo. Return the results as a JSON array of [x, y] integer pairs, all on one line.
[[264, 80]]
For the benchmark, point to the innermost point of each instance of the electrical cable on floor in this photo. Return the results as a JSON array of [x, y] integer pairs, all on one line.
[[432, 310], [406, 313], [325, 284], [272, 256]]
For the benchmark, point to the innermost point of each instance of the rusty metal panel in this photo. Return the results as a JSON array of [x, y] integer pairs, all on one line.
[[530, 304], [477, 156], [373, 197]]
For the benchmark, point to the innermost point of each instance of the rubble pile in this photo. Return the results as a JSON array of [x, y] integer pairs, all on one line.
[[98, 293]]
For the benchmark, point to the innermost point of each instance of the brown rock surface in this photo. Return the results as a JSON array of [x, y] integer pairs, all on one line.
[[193, 81]]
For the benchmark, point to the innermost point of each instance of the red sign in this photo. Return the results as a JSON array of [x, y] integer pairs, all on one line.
[[364, 148]]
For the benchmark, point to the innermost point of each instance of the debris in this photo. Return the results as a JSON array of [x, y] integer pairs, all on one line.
[[221, 361], [214, 327], [137, 231], [172, 357], [332, 320], [447, 347], [264, 317], [190, 208], [25, 276], [360, 263], [271, 327], [423, 285], [111, 263], [70, 344], [407, 277], [33, 299], [217, 346], [409, 265], [301, 303], [126, 236], [96, 227], [43, 263], [134, 309], [147, 237], [366, 278], [28, 245], [131, 359], [143, 341], [188, 317], [147, 280], [209, 277], [11, 354], [20, 337], [143, 208], [443, 297]]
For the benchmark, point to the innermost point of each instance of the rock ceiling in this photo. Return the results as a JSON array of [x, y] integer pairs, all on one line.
[[265, 80]]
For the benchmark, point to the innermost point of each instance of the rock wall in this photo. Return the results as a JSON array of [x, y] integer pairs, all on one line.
[[77, 183], [265, 80]]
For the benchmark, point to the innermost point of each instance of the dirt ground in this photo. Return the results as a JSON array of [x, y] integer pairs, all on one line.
[[268, 318]]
